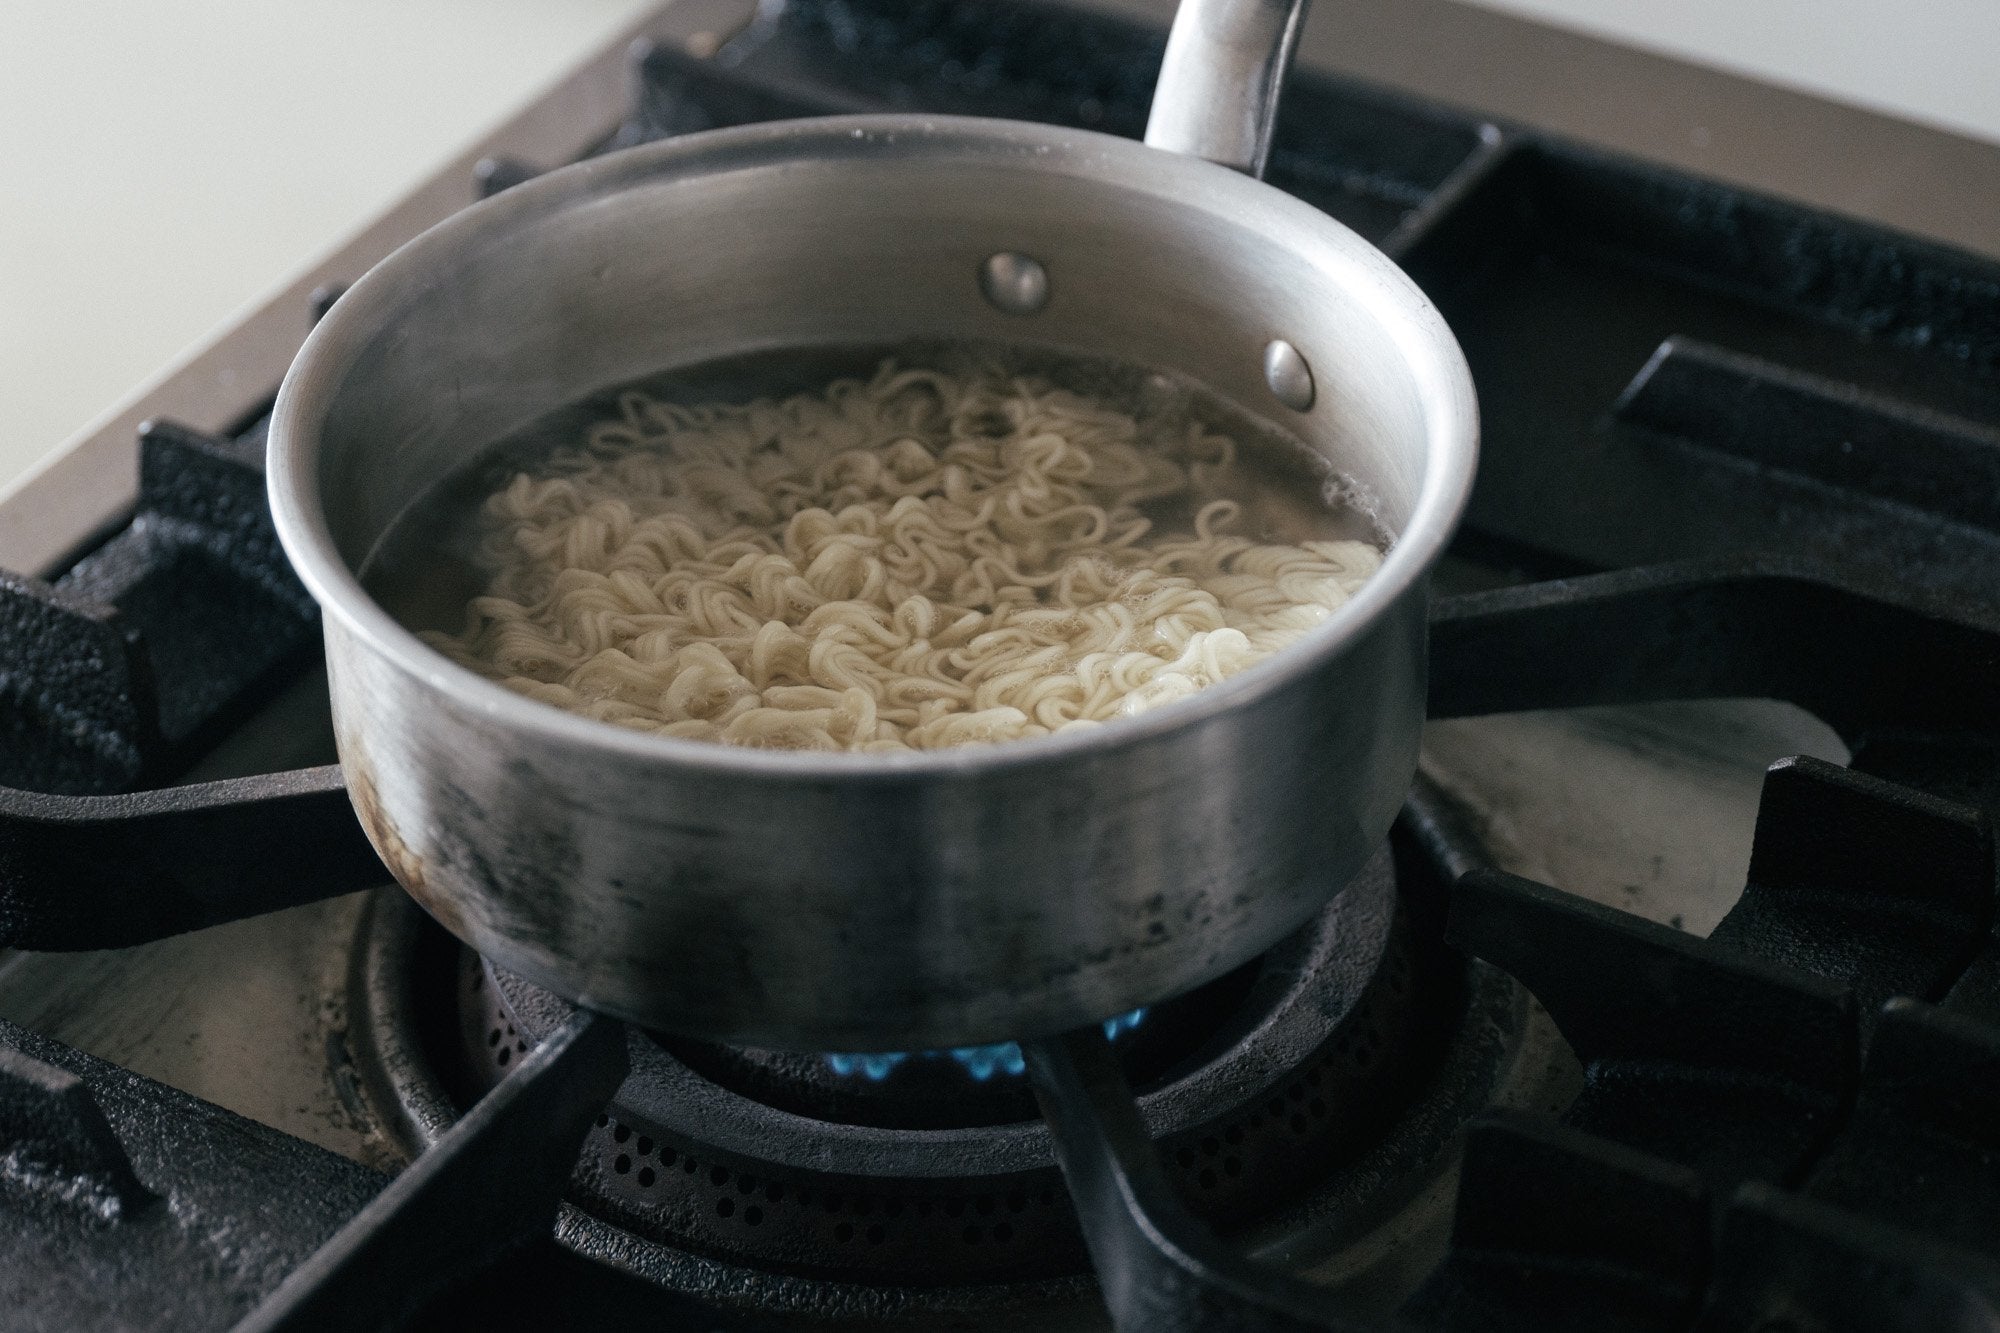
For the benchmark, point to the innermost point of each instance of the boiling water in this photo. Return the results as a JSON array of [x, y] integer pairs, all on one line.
[[426, 568]]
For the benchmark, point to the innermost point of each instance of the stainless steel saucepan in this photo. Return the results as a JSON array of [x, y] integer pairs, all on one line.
[[868, 901]]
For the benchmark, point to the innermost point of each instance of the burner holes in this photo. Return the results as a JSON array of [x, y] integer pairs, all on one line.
[[1185, 1156], [1317, 1107], [753, 1216], [493, 1037], [1207, 1178], [603, 1121], [1298, 1123], [1362, 1055], [1016, 1202], [805, 1198], [774, 1193], [506, 1054], [646, 1177], [644, 1147], [691, 1166], [1232, 1166], [1233, 1135], [1312, 1075], [621, 1164], [622, 1133], [1297, 1092], [1256, 1122], [1211, 1146], [725, 1207], [719, 1176], [1276, 1107], [844, 1232], [1003, 1232], [521, 1046], [667, 1155], [983, 1205]]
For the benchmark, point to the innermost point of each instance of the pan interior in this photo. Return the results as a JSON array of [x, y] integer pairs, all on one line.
[[427, 567], [653, 271]]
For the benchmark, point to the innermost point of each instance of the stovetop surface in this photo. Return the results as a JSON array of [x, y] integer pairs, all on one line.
[[1735, 507]]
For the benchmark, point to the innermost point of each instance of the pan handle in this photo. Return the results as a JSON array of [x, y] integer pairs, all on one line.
[[1218, 92]]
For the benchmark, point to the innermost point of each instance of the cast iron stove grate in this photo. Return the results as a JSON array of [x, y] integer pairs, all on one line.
[[1734, 448]]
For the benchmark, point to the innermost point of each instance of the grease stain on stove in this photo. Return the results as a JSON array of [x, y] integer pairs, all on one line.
[[346, 1080]]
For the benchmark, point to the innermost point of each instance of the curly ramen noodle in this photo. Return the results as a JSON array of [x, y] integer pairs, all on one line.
[[915, 560]]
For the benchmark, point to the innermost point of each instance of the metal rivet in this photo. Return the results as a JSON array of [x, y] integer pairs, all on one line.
[[1014, 283], [1290, 378]]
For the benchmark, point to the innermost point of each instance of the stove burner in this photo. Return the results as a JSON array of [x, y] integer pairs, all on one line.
[[776, 1160], [1324, 1080]]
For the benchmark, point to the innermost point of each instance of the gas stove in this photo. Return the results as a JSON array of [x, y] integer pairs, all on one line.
[[1673, 1001]]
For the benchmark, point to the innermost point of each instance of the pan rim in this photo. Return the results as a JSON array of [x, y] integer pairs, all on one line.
[[1405, 316]]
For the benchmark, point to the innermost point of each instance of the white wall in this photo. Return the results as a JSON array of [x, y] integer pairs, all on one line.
[[163, 164], [1934, 61]]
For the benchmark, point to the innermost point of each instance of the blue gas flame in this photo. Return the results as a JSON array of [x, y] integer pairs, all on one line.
[[874, 1067], [981, 1062]]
